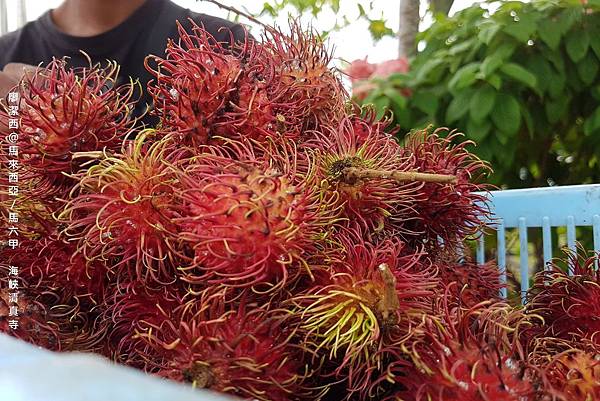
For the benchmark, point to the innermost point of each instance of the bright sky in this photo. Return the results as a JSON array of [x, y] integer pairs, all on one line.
[[350, 43]]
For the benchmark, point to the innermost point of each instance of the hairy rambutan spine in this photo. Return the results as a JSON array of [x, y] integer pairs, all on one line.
[[371, 204], [306, 89], [572, 368], [62, 293], [359, 304], [204, 89], [568, 304], [121, 209], [441, 211], [245, 350], [251, 222], [471, 354], [67, 110]]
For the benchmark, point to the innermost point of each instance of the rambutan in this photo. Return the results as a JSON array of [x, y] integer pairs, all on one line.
[[204, 89], [131, 304], [471, 354], [446, 212], [61, 293], [568, 304], [572, 368], [469, 282], [244, 351], [306, 89], [251, 222], [342, 153], [358, 305], [33, 325], [121, 209], [63, 111]]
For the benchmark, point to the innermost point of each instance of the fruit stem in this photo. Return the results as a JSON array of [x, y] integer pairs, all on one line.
[[97, 154], [389, 303], [352, 174]]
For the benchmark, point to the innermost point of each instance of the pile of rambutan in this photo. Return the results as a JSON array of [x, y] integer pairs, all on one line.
[[271, 240]]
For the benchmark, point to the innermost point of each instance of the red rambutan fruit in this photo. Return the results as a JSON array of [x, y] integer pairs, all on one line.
[[251, 222], [61, 293], [306, 89], [358, 305], [446, 212], [205, 89], [371, 204], [244, 350], [572, 368], [63, 111], [131, 304], [469, 283], [121, 209], [568, 304], [471, 354]]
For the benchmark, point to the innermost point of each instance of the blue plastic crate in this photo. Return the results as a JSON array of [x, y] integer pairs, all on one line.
[[543, 208]]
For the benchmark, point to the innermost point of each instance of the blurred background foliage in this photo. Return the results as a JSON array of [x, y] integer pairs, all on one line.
[[522, 82]]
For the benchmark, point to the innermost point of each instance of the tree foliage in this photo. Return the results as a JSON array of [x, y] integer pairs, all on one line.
[[523, 82], [378, 25]]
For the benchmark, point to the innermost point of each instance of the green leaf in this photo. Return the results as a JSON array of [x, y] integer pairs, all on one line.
[[426, 68], [595, 44], [482, 103], [528, 121], [402, 117], [378, 29], [568, 17], [588, 68], [556, 109], [425, 101], [477, 131], [519, 73], [556, 85], [381, 104], [542, 71], [458, 107], [592, 123], [495, 60], [521, 29], [488, 31], [395, 97], [577, 44], [461, 47], [549, 34], [465, 76], [506, 115], [495, 81]]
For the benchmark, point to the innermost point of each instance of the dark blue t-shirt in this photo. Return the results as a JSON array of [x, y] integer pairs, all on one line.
[[144, 32]]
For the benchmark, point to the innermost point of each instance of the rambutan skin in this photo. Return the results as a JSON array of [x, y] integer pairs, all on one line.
[[469, 283], [471, 354], [374, 205], [306, 89], [244, 351], [203, 89], [358, 305], [64, 111], [568, 304], [59, 294], [121, 210], [446, 212], [572, 368], [250, 222]]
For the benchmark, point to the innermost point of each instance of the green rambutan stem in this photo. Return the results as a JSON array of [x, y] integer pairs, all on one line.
[[353, 174]]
